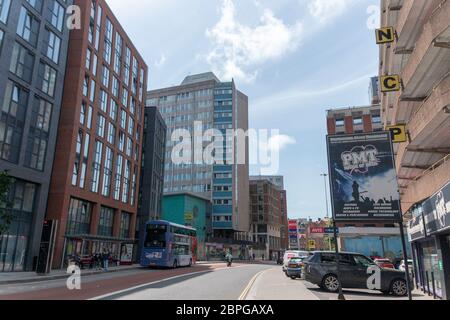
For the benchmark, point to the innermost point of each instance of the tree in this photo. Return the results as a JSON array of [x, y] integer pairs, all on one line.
[[6, 216]]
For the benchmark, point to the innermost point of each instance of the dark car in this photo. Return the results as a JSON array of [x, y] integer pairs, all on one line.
[[355, 271]]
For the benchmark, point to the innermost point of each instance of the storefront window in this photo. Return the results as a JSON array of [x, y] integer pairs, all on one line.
[[13, 244], [125, 221], [105, 227], [430, 262]]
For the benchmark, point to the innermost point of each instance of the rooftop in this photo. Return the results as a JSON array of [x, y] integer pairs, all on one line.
[[201, 77]]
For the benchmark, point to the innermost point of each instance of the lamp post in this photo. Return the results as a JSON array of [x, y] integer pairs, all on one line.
[[324, 175]]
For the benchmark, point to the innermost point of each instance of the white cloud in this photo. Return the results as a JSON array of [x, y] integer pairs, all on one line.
[[161, 61], [238, 50], [280, 142], [326, 10]]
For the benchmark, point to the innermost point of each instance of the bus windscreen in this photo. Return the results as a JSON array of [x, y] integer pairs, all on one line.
[[156, 236]]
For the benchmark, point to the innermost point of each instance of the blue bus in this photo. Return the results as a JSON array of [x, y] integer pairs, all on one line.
[[168, 244]]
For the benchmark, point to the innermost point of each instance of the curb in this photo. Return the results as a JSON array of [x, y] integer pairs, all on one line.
[[62, 276]]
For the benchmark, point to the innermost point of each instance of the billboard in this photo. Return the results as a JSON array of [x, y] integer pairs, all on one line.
[[436, 211], [363, 178]]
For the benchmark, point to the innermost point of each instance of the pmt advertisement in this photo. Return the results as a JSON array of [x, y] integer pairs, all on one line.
[[363, 178]]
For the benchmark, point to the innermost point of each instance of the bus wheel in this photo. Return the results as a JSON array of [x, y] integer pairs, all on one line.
[[175, 264]]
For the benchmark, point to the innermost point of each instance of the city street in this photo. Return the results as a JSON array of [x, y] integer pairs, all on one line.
[[201, 282]]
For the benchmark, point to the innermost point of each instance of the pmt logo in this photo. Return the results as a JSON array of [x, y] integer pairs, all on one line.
[[441, 209], [360, 159]]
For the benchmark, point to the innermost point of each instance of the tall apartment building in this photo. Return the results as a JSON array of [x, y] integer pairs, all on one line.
[[420, 55], [152, 172], [33, 49], [267, 218], [218, 105], [95, 180]]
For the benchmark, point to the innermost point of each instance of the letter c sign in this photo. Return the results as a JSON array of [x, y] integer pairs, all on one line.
[[390, 83]]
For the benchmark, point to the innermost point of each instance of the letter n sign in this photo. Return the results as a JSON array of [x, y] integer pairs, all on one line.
[[385, 35], [390, 83]]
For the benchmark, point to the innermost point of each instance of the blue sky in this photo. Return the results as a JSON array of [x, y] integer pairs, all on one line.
[[293, 58]]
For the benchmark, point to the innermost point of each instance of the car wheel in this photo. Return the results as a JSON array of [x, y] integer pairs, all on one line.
[[331, 283], [399, 288], [294, 278]]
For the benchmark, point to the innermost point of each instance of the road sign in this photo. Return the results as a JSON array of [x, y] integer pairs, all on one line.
[[312, 244], [385, 35], [330, 230], [390, 83], [398, 133]]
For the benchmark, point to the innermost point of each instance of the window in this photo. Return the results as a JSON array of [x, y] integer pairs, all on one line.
[[22, 62], [53, 46], [123, 119], [4, 10], [121, 141], [92, 92], [125, 97], [113, 110], [56, 15], [376, 118], [108, 41], [48, 79], [79, 218], [107, 172], [96, 165], [130, 126], [340, 122], [86, 86], [2, 34], [37, 4], [126, 182], [115, 87], [85, 160], [127, 66], [28, 27], [357, 121], [12, 121], [125, 222], [101, 121], [105, 77], [83, 113], [76, 165], [118, 177], [38, 134], [105, 226], [89, 119], [94, 65], [88, 58], [103, 100], [118, 54], [111, 133]]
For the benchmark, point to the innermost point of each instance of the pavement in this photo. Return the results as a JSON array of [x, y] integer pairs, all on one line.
[[29, 277]]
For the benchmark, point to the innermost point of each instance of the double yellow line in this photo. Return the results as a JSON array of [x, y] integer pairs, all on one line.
[[244, 293]]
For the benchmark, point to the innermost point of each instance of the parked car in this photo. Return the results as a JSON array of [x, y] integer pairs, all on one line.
[[384, 263], [321, 269], [295, 267], [288, 255]]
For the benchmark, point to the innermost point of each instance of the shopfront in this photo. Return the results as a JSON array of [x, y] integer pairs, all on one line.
[[429, 233]]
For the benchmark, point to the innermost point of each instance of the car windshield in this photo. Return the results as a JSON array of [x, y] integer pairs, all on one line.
[[295, 260]]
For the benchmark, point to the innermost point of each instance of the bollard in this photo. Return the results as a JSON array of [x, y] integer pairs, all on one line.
[[434, 287]]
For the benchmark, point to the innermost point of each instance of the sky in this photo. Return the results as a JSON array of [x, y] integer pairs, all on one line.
[[294, 59]]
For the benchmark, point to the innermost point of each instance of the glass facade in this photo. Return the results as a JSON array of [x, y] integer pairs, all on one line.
[[79, 218], [14, 243]]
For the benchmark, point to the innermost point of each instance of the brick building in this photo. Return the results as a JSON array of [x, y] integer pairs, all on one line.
[[95, 180]]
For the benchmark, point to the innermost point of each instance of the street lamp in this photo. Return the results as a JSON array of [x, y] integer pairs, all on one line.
[[324, 175]]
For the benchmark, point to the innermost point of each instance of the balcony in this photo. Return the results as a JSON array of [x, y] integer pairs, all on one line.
[[429, 135], [430, 59], [427, 183]]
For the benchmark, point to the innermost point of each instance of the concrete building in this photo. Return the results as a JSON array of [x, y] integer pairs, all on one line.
[[33, 50], [192, 210], [421, 57], [200, 103], [267, 218], [152, 172], [95, 180]]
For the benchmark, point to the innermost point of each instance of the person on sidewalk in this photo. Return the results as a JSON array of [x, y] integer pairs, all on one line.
[[105, 259]]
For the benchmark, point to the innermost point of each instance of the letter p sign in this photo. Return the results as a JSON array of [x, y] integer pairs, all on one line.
[[398, 133]]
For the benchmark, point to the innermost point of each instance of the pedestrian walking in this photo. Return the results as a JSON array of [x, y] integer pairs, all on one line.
[[105, 257]]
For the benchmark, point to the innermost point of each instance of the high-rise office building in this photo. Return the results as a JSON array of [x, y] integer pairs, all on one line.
[[152, 173], [33, 50], [95, 181], [218, 105]]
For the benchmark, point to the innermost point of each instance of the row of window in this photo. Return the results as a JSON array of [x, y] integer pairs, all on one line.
[[119, 180], [358, 121], [80, 219]]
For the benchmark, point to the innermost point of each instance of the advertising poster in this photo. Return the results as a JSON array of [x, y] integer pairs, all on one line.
[[126, 254], [363, 178], [436, 211]]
